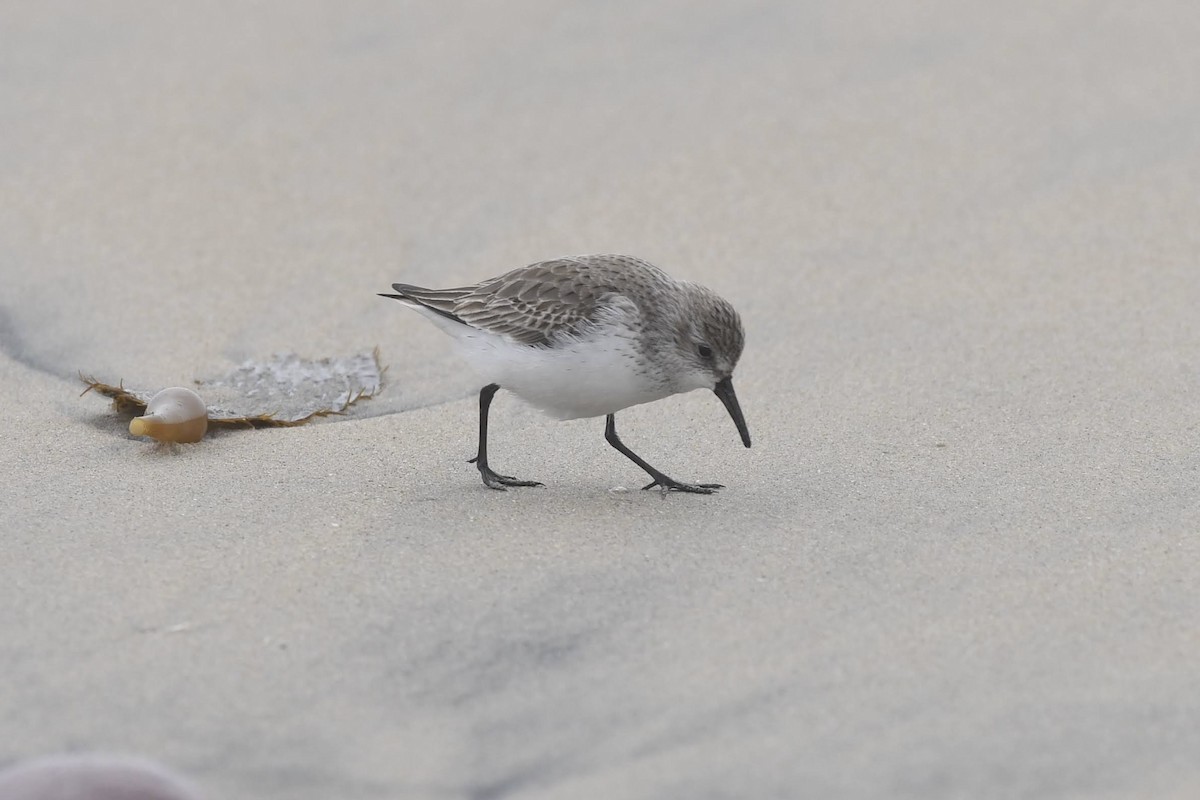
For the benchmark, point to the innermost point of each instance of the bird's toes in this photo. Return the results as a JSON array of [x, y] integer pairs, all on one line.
[[507, 481], [495, 480], [676, 486]]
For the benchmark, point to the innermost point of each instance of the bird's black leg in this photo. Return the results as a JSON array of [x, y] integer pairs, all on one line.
[[667, 484], [491, 479]]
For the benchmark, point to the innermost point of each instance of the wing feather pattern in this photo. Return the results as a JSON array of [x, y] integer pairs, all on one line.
[[539, 303]]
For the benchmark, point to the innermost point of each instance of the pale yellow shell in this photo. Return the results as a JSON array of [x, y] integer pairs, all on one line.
[[173, 415]]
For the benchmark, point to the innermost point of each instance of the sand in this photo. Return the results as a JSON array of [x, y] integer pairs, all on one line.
[[960, 560]]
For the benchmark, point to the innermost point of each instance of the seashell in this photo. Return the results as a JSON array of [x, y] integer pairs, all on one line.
[[93, 776], [173, 415]]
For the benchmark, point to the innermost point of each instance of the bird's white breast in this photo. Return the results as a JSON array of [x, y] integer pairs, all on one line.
[[587, 377]]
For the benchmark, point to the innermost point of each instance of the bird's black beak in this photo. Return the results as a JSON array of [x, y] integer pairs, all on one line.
[[724, 390]]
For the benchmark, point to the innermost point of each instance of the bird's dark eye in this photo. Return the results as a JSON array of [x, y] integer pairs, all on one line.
[[705, 351]]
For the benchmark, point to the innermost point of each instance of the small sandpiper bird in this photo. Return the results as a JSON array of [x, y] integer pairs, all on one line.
[[587, 336]]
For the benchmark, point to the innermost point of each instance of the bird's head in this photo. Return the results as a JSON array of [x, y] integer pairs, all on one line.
[[708, 344]]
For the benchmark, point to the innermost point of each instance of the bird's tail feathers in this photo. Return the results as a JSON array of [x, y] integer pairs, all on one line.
[[441, 301]]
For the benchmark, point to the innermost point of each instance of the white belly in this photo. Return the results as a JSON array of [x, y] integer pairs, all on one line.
[[587, 378]]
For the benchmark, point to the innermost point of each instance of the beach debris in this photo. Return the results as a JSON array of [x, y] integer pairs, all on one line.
[[173, 415], [93, 776], [283, 390]]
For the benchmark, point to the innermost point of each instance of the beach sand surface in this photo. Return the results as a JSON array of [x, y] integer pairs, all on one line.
[[961, 559]]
